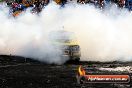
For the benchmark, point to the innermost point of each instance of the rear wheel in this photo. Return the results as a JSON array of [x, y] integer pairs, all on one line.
[[73, 60], [77, 59]]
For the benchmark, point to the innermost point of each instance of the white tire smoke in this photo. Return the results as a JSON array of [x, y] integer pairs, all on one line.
[[103, 35]]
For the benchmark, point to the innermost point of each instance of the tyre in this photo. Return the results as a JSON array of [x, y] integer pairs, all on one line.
[[77, 59]]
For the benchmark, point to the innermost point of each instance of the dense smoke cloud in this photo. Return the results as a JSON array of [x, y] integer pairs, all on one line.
[[103, 35]]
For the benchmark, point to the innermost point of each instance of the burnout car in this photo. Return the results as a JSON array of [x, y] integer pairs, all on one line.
[[68, 44]]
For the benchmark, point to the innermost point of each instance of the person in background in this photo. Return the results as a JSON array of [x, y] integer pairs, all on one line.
[[121, 3], [128, 5], [81, 1], [63, 2], [46, 2], [101, 3], [15, 6], [18, 1], [36, 8]]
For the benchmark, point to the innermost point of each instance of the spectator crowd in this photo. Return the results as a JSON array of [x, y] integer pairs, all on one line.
[[17, 6]]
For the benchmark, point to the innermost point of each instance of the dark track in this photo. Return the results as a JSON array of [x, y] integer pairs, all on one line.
[[19, 72]]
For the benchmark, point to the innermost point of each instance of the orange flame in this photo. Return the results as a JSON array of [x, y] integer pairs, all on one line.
[[81, 71]]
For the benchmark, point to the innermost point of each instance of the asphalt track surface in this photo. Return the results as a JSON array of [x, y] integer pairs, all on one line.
[[19, 72]]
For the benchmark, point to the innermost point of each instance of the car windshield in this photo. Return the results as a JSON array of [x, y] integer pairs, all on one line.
[[63, 36]]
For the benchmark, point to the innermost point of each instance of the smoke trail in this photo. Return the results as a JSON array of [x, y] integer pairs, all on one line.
[[103, 35]]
